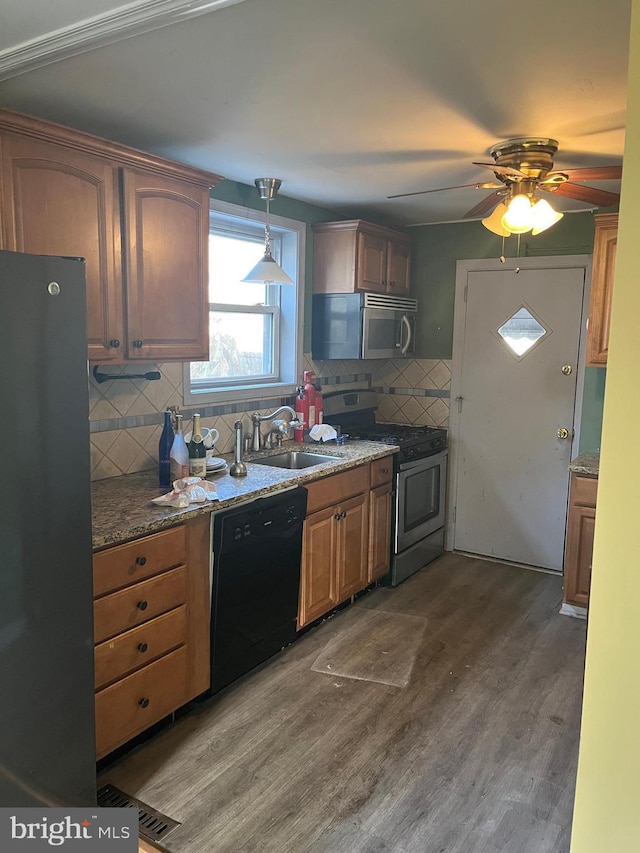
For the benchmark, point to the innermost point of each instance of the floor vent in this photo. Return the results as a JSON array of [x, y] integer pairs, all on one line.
[[154, 826]]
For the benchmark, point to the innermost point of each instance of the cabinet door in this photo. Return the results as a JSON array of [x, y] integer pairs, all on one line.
[[372, 263], [604, 265], [379, 532], [166, 234], [352, 546], [318, 576], [56, 201], [398, 267], [579, 556]]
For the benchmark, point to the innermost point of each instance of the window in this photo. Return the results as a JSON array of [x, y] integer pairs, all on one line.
[[255, 330]]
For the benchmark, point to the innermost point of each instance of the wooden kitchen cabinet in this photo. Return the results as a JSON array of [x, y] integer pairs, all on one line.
[[579, 544], [354, 256], [602, 276], [151, 626], [141, 222], [380, 505], [341, 552]]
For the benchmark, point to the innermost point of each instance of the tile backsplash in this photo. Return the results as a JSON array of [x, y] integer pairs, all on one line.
[[126, 414]]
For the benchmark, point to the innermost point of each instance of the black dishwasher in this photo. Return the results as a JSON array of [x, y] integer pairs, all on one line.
[[256, 578]]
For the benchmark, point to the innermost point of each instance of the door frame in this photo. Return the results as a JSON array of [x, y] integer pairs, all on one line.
[[463, 268]]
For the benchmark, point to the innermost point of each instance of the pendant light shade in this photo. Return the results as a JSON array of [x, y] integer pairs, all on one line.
[[543, 216], [267, 270], [494, 221]]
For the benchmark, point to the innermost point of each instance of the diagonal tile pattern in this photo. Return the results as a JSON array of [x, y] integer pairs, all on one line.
[[126, 415]]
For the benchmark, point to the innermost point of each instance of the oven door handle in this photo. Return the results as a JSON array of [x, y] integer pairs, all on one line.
[[407, 325], [425, 462]]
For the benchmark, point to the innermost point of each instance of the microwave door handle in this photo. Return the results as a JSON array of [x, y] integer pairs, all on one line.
[[407, 325]]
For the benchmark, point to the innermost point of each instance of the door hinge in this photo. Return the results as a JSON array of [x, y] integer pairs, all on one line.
[[459, 402]]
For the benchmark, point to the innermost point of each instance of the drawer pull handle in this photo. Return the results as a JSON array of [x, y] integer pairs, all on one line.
[[144, 703], [142, 605], [141, 561], [142, 647]]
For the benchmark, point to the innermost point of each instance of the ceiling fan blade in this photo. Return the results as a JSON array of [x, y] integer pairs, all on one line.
[[442, 189], [503, 170], [485, 205], [595, 173], [589, 195]]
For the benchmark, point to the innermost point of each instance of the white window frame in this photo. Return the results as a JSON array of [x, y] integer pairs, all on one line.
[[290, 236]]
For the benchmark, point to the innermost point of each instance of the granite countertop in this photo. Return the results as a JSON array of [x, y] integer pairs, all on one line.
[[122, 508], [586, 463]]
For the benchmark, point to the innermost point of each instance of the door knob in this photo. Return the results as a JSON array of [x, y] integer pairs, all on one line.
[[567, 369], [563, 433]]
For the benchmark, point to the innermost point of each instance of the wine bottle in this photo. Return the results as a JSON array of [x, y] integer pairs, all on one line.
[[164, 451], [179, 454], [197, 451]]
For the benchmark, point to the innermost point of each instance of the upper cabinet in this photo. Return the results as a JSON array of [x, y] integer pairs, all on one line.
[[604, 265], [355, 256], [140, 222]]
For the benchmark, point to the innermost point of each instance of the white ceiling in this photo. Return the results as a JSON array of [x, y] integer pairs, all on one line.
[[347, 101]]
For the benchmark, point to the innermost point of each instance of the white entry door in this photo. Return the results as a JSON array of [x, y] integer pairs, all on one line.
[[516, 384]]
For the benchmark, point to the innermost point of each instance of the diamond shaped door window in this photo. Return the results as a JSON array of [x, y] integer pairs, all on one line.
[[522, 331]]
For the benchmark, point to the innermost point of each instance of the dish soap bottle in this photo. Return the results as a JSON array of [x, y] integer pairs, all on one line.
[[164, 451], [197, 451], [179, 455]]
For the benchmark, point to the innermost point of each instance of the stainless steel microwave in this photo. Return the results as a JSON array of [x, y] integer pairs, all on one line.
[[362, 325]]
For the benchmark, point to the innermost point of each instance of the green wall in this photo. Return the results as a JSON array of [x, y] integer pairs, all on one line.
[[437, 248], [592, 406]]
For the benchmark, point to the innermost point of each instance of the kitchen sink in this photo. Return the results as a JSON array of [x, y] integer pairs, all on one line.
[[294, 459]]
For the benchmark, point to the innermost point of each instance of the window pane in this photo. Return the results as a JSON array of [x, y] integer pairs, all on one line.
[[240, 346], [230, 259], [521, 331]]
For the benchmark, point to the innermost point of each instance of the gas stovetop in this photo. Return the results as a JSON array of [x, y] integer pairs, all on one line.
[[415, 442], [354, 412]]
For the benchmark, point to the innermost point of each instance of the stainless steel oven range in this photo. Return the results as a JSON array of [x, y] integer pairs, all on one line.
[[420, 478]]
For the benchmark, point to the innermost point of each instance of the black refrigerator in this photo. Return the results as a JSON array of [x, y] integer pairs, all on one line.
[[47, 743]]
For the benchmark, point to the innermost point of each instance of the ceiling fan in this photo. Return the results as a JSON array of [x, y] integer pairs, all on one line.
[[524, 166]]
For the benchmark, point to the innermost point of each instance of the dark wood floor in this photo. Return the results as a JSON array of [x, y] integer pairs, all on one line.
[[477, 754]]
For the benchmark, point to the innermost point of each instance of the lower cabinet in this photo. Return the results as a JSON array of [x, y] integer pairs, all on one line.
[[151, 627], [345, 544], [579, 547]]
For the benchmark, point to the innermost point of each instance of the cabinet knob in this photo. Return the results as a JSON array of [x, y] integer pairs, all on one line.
[[337, 516], [144, 703], [392, 284], [141, 561], [142, 648], [114, 342], [137, 344], [142, 605]]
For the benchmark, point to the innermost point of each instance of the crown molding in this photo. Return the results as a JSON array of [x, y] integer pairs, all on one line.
[[120, 23]]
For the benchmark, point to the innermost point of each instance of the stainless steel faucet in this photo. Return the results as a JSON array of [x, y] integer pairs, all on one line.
[[279, 428]]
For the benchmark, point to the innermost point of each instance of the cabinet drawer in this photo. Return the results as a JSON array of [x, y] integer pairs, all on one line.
[[381, 471], [337, 488], [136, 648], [584, 491], [139, 603], [134, 703], [126, 564]]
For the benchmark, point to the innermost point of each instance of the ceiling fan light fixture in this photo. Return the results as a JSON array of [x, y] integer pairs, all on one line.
[[494, 221], [517, 217], [267, 271], [543, 216]]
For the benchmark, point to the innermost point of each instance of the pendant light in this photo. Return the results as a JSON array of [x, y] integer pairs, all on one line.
[[267, 270], [522, 213]]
